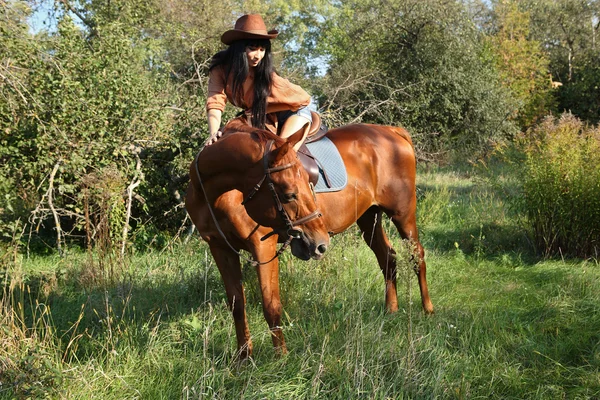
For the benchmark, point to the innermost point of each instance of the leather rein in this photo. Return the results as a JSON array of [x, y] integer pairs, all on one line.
[[292, 231]]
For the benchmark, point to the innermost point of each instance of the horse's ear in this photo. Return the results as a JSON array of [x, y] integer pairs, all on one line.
[[296, 137], [280, 152]]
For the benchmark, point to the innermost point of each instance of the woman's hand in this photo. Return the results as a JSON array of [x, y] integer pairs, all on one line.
[[213, 138]]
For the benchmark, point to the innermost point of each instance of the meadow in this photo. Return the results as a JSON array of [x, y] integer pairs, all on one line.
[[508, 323]]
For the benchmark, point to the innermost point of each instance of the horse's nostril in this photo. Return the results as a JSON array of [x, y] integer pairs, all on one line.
[[322, 248]]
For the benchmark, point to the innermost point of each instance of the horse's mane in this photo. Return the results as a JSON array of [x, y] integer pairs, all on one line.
[[240, 124]]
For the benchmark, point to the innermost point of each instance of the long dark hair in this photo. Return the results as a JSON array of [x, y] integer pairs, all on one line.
[[235, 61]]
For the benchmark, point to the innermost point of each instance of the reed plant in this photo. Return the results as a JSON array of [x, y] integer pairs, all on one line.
[[557, 166]]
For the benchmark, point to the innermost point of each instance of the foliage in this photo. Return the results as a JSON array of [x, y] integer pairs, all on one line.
[[88, 103], [14, 49], [566, 28], [522, 64], [582, 96], [420, 64], [121, 87], [569, 31], [558, 166]]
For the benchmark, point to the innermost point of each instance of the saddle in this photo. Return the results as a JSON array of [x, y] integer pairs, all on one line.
[[317, 131]]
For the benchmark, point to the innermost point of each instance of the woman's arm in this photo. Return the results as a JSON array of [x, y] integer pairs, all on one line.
[[214, 120], [214, 123]]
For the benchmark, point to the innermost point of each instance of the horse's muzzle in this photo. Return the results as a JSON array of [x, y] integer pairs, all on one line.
[[305, 248]]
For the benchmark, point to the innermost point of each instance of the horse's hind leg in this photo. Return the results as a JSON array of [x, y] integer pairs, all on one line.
[[373, 233], [407, 226], [229, 266]]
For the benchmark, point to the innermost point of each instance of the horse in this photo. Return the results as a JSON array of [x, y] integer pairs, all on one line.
[[233, 210]]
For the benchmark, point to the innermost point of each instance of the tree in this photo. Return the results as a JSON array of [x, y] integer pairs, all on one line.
[[582, 95], [16, 47], [421, 64], [94, 102], [522, 64], [568, 32], [566, 28]]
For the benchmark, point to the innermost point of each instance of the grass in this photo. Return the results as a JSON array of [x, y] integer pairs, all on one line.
[[507, 324]]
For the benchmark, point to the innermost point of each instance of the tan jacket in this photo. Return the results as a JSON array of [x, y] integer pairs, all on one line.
[[284, 94]]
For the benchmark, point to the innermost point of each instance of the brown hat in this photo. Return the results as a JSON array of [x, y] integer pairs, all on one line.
[[250, 26]]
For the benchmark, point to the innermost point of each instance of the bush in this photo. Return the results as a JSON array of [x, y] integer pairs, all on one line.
[[558, 174]]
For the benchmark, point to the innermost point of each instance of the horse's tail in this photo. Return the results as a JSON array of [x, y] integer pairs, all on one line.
[[403, 133]]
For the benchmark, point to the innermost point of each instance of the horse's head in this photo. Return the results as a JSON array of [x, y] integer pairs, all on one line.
[[293, 212], [266, 169]]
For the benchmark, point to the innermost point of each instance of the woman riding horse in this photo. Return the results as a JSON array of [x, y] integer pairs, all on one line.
[[244, 75], [248, 192]]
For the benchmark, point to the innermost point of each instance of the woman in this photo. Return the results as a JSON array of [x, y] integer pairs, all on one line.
[[244, 75]]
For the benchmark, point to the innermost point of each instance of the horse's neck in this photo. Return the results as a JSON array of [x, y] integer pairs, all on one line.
[[226, 164]]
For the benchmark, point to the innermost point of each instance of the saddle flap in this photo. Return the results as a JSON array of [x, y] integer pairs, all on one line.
[[309, 163]]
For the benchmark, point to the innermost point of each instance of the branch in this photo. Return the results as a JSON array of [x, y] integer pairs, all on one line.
[[14, 86], [135, 182], [60, 211], [346, 85], [88, 22]]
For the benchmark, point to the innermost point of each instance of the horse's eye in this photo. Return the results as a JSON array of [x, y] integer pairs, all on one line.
[[289, 197]]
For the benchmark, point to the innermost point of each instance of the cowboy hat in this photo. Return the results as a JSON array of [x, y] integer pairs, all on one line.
[[250, 26]]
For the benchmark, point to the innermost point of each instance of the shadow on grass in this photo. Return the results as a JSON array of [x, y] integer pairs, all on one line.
[[520, 331], [134, 305], [534, 329], [487, 240]]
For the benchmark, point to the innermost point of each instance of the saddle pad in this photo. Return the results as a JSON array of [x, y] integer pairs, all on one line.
[[329, 159]]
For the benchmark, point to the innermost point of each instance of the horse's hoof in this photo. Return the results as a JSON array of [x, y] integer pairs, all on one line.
[[281, 351], [392, 308], [244, 353], [428, 309]]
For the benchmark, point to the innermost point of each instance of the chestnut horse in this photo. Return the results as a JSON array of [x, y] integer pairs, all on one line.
[[381, 168]]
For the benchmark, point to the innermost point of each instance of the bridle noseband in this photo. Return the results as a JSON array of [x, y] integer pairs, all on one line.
[[292, 231]]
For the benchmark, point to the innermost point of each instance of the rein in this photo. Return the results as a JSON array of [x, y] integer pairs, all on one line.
[[292, 231]]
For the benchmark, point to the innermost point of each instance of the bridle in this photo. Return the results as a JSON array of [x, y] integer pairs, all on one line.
[[292, 231], [291, 225]]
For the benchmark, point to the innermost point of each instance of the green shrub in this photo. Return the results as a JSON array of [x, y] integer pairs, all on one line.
[[558, 175]]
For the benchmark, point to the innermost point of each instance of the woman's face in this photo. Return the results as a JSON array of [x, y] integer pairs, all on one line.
[[255, 55]]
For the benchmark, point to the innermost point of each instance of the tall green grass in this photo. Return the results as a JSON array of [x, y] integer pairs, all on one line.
[[507, 325]]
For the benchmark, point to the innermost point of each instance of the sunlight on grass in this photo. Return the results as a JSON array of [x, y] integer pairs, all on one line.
[[506, 325]]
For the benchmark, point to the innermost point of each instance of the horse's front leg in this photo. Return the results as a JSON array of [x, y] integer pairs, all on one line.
[[228, 263], [268, 279]]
